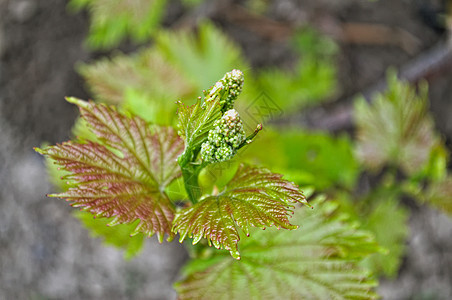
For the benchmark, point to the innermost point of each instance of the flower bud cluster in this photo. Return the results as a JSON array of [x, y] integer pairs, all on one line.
[[233, 82], [227, 88], [224, 139]]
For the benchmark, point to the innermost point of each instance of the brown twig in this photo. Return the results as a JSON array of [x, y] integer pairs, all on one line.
[[338, 116]]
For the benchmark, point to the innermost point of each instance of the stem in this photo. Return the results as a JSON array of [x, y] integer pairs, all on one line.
[[190, 172], [190, 175], [250, 138]]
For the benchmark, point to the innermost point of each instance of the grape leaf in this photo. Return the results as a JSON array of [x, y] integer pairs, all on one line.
[[209, 54], [320, 261], [112, 20], [436, 167], [254, 197], [439, 194], [395, 129], [388, 222], [118, 236], [308, 158], [310, 81], [195, 121], [124, 177], [178, 65], [146, 72]]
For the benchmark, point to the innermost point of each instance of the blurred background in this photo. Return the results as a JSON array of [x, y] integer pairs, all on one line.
[[306, 59]]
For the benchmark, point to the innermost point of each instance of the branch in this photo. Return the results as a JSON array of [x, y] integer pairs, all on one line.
[[338, 116]]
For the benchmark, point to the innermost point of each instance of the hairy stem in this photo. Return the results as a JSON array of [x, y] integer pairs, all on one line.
[[190, 172], [250, 138], [191, 184]]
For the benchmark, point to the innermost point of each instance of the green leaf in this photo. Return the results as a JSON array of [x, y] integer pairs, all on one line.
[[308, 158], [209, 54], [439, 194], [436, 167], [82, 133], [145, 83], [56, 174], [179, 65], [254, 197], [310, 81], [125, 176], [396, 129], [114, 20], [161, 111], [319, 261], [195, 121], [118, 236], [388, 221]]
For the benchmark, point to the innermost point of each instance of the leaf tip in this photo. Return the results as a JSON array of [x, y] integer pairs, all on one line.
[[39, 150], [196, 239], [182, 237], [235, 254], [76, 101], [160, 237]]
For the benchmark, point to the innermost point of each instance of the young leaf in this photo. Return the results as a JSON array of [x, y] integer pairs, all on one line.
[[125, 177], [318, 262], [395, 129], [195, 121], [254, 197]]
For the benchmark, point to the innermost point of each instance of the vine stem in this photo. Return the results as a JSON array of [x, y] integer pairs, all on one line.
[[190, 176], [190, 173]]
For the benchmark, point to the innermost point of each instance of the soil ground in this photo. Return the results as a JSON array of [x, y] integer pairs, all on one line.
[[46, 254]]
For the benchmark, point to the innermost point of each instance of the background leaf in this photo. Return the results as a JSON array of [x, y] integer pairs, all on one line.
[[202, 57], [308, 158], [395, 129], [319, 261], [388, 221], [114, 20], [181, 64], [311, 80], [118, 236], [146, 72], [439, 194]]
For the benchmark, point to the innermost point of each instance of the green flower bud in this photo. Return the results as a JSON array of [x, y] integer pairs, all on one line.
[[233, 82], [224, 139], [227, 89]]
